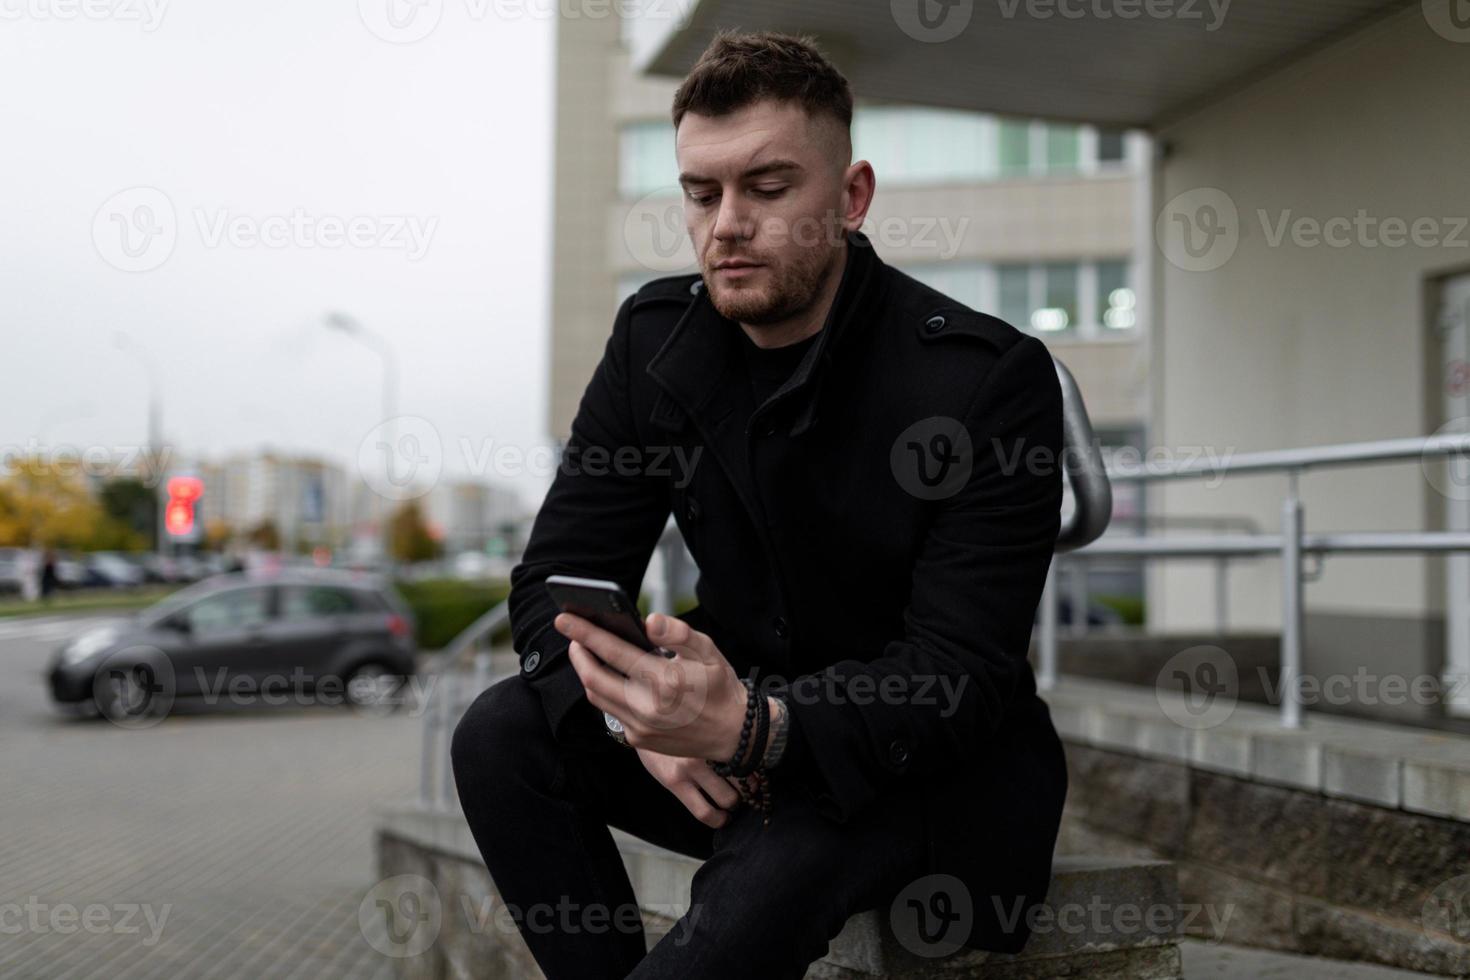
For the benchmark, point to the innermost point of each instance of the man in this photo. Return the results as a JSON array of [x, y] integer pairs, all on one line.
[[866, 473]]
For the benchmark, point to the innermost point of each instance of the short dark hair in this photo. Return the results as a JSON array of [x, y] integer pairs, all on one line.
[[740, 68]]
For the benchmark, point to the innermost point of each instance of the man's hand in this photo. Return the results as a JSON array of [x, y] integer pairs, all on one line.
[[685, 778], [690, 705]]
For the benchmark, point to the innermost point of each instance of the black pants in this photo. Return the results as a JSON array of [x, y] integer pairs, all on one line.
[[763, 905]]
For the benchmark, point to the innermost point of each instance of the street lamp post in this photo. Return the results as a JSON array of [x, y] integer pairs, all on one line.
[[350, 326], [127, 344]]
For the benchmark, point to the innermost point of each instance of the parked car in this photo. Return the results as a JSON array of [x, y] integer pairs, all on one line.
[[318, 634], [15, 565], [118, 569]]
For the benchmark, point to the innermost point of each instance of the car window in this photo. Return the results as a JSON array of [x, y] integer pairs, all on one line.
[[232, 610], [314, 601]]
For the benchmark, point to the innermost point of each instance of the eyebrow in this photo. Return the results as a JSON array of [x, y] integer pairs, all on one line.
[[686, 178]]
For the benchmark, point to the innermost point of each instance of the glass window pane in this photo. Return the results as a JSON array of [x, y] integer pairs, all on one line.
[[646, 161], [1116, 302], [960, 281], [1059, 299], [1015, 146], [314, 601], [1110, 146], [1014, 287], [1063, 148], [234, 610]]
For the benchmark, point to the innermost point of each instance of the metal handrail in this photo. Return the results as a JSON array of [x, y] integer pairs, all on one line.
[[1092, 494], [1292, 543]]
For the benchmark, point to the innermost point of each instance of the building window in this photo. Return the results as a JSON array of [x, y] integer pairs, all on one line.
[[1063, 149], [1110, 146], [1086, 299], [646, 162], [1117, 304], [1014, 147]]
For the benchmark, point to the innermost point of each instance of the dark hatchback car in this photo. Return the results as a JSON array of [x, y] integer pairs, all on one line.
[[309, 636]]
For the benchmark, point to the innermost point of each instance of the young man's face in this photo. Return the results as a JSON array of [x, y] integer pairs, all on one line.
[[765, 185]]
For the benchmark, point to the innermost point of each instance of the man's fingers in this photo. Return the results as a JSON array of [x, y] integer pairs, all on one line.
[[716, 786], [604, 686], [704, 811], [673, 633], [612, 650]]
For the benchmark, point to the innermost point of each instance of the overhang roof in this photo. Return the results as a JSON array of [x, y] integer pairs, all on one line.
[[1097, 67]]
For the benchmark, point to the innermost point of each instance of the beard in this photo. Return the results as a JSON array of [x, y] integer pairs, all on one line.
[[785, 289]]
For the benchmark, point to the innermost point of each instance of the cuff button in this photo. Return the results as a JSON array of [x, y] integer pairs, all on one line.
[[898, 753], [532, 661]]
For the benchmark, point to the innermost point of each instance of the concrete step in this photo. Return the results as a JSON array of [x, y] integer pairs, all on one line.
[[1102, 929]]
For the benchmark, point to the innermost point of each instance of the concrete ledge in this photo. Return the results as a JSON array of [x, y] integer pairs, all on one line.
[[1386, 765], [437, 845]]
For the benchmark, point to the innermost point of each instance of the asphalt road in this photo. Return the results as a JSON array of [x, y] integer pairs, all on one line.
[[218, 843]]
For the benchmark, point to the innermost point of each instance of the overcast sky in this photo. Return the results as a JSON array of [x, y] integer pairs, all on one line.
[[223, 151]]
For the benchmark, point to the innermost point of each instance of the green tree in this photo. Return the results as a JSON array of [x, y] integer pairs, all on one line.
[[409, 539]]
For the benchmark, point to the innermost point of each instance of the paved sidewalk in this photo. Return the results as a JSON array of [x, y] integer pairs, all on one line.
[[218, 844]]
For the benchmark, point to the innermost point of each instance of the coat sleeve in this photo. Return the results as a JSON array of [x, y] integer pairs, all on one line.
[[931, 699], [601, 518]]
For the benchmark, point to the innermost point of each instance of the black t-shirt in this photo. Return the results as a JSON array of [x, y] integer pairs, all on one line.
[[768, 368]]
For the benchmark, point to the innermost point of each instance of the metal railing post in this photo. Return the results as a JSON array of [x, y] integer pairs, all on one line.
[[1222, 594], [1046, 678], [1077, 577], [1291, 605]]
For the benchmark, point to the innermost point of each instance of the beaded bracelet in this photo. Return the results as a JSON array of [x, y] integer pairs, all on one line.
[[751, 708], [752, 781]]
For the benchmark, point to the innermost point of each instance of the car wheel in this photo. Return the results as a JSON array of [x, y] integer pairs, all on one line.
[[123, 695], [372, 689]]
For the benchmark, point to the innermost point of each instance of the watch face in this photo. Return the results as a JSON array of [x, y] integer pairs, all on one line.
[[613, 725]]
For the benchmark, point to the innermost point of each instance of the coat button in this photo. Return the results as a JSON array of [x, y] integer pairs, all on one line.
[[691, 509], [898, 753], [781, 627], [696, 286], [533, 660], [934, 324]]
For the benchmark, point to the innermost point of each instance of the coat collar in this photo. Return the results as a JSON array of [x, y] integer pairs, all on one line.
[[698, 365]]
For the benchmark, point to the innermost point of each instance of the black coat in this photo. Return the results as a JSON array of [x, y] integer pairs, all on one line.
[[822, 548]]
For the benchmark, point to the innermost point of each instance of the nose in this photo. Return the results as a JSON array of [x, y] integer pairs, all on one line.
[[733, 221]]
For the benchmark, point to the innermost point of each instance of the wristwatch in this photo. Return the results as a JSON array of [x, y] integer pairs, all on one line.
[[615, 728]]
